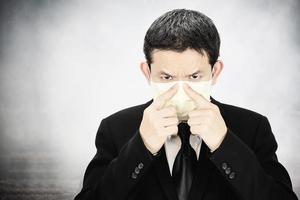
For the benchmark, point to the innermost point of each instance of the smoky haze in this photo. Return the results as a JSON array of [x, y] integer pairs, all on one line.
[[65, 66]]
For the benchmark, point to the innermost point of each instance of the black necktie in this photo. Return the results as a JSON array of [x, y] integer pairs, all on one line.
[[185, 163]]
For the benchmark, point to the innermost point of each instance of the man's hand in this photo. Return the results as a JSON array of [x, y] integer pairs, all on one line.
[[159, 122], [206, 120]]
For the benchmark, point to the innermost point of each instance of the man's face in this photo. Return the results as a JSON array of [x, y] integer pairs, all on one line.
[[188, 65]]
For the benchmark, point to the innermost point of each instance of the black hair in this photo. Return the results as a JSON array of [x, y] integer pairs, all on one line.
[[180, 29]]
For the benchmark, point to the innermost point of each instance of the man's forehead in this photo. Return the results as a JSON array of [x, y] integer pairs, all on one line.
[[188, 60], [175, 68]]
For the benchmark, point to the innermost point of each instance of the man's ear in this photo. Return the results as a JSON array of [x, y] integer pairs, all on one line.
[[145, 70], [217, 69]]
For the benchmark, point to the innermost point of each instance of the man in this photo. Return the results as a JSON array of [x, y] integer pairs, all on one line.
[[184, 144]]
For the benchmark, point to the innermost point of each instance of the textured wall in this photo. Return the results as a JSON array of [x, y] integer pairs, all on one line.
[[64, 65]]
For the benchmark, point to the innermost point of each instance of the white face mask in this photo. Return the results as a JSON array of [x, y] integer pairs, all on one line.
[[183, 103]]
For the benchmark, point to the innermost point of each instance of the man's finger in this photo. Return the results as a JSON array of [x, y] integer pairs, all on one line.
[[170, 121], [161, 100], [197, 120], [199, 112], [200, 101], [171, 130], [168, 111]]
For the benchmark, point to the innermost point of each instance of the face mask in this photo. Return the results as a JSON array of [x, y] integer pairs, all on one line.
[[183, 103]]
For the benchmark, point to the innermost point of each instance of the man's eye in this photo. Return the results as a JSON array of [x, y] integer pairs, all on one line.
[[167, 77], [194, 76]]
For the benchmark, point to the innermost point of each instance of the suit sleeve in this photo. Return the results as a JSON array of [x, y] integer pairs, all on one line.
[[254, 173], [111, 174]]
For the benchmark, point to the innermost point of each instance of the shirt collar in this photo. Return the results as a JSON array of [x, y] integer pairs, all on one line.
[[170, 137]]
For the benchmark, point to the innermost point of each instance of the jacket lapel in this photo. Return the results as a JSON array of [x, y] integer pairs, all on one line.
[[163, 175]]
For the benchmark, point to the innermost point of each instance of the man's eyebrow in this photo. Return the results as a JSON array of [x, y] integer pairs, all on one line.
[[196, 72], [165, 73]]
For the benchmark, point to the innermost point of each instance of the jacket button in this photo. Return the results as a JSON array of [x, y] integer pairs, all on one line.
[[224, 165], [133, 175], [141, 165], [228, 170], [232, 175], [137, 170]]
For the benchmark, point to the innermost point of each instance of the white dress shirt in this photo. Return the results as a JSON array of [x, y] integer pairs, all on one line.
[[173, 144]]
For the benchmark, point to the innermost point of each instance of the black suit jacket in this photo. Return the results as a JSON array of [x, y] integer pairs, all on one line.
[[244, 166]]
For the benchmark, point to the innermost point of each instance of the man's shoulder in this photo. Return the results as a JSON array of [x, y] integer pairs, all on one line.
[[238, 113], [129, 113], [242, 121]]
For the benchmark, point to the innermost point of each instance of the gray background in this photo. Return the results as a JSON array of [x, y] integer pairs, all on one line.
[[65, 65]]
